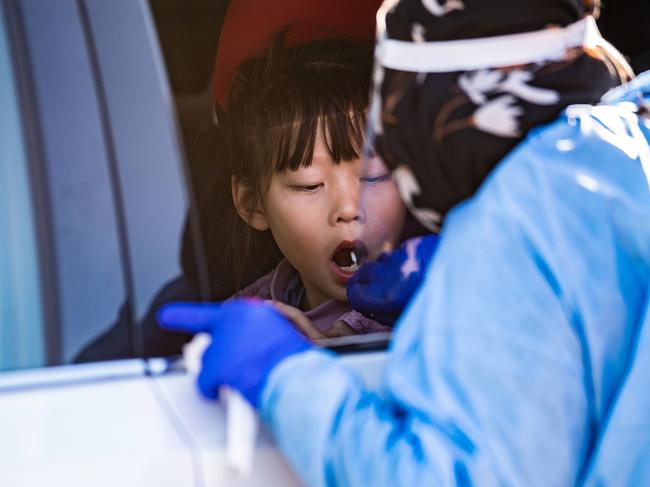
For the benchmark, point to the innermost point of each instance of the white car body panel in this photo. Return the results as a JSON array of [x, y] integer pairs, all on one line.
[[61, 427], [101, 433]]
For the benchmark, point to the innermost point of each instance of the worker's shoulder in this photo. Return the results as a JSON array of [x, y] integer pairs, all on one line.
[[609, 142], [619, 120], [634, 91]]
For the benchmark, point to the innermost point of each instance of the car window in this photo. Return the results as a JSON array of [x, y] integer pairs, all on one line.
[[80, 260], [94, 205], [23, 344]]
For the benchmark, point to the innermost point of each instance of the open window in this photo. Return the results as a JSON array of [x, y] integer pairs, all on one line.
[[95, 206]]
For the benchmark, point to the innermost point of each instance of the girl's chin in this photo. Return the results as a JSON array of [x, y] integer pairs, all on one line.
[[341, 293]]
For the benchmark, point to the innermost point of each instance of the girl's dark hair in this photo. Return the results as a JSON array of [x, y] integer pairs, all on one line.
[[275, 107]]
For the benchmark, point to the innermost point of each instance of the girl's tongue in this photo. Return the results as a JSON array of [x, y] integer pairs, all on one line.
[[349, 256]]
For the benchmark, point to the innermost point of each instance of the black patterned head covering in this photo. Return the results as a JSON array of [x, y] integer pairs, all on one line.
[[441, 121]]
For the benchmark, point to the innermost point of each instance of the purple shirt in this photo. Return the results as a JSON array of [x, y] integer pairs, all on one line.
[[284, 284]]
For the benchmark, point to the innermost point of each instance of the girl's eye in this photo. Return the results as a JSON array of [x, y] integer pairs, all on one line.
[[310, 188], [376, 179]]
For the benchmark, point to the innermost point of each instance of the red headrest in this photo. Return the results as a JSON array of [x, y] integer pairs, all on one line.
[[250, 26]]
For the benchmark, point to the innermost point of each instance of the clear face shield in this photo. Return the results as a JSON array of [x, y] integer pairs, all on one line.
[[386, 191], [382, 207]]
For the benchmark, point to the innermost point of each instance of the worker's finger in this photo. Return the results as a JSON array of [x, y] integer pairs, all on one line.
[[189, 317]]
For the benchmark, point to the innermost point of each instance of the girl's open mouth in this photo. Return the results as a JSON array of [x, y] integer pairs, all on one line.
[[347, 258]]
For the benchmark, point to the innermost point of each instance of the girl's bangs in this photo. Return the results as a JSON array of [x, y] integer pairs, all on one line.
[[341, 128]]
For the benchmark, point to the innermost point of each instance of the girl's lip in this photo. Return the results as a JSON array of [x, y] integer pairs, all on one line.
[[342, 276]]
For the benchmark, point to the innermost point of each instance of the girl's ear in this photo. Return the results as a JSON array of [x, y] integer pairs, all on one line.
[[247, 204]]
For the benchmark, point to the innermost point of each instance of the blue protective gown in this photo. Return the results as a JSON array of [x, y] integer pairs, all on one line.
[[524, 358]]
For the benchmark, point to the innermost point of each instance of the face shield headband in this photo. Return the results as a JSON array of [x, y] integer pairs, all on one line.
[[541, 46], [443, 113]]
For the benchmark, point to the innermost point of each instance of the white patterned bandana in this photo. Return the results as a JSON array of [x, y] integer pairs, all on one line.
[[442, 118]]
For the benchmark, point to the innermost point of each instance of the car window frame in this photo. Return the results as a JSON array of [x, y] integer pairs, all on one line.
[[20, 290], [101, 55]]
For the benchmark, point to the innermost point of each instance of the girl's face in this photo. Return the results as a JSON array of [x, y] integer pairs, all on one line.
[[317, 220]]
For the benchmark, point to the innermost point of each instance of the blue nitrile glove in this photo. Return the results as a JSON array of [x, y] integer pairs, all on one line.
[[381, 289], [249, 339]]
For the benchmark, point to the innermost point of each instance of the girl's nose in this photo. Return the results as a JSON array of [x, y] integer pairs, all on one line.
[[346, 204], [348, 214]]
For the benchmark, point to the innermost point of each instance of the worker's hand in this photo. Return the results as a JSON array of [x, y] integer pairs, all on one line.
[[381, 289], [249, 339]]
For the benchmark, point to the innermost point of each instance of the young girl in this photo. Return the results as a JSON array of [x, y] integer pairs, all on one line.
[[292, 133]]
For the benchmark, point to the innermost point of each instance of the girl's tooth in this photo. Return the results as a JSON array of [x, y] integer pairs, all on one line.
[[351, 268], [353, 256]]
